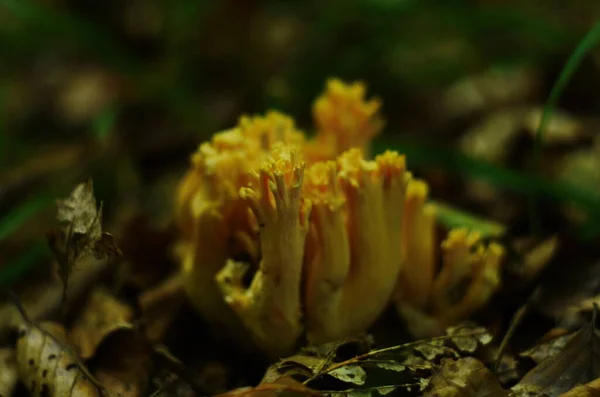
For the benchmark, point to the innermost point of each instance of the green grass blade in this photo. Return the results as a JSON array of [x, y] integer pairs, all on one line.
[[583, 48], [16, 217]]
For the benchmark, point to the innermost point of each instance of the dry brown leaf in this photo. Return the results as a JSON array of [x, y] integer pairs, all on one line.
[[124, 362], [9, 374], [467, 338], [315, 360], [577, 363], [102, 315], [47, 367], [466, 377], [548, 349], [591, 389], [160, 306], [82, 233], [282, 387], [42, 299]]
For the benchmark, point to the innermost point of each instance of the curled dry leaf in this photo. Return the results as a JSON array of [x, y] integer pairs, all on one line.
[[81, 233], [9, 374], [102, 315], [578, 363], [466, 377], [48, 367]]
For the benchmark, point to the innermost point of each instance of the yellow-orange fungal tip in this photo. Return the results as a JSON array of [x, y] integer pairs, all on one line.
[[417, 189], [496, 250], [455, 237]]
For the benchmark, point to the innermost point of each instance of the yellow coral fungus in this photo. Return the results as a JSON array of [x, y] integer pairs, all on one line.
[[344, 118], [284, 236]]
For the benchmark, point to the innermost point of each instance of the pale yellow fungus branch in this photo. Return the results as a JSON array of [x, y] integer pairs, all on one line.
[[270, 308]]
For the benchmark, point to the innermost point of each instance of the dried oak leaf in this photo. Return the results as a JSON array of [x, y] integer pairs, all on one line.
[[578, 363], [102, 315], [47, 367], [9, 374], [466, 377]]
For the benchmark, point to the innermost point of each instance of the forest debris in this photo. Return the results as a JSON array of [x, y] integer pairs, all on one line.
[[124, 363], [160, 305], [591, 389], [465, 377], [282, 387], [102, 315], [578, 363], [491, 138], [43, 299], [535, 255], [81, 233], [548, 349], [310, 362], [490, 89], [561, 127], [47, 366], [467, 337], [9, 374]]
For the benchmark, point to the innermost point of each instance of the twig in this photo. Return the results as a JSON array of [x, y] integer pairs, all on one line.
[[514, 324]]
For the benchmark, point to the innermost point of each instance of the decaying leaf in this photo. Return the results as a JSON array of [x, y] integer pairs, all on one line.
[[314, 360], [124, 363], [102, 315], [548, 349], [282, 387], [160, 306], [591, 389], [47, 366], [81, 233], [350, 374], [42, 299], [467, 338], [578, 363], [9, 374], [466, 377]]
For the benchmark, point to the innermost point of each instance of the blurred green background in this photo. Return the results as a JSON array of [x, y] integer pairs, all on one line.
[[124, 92]]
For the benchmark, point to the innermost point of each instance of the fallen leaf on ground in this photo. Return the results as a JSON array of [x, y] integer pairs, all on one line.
[[466, 377], [42, 299], [314, 360], [578, 363], [102, 315], [9, 374], [124, 363], [160, 305], [548, 349], [468, 338], [591, 389], [47, 367], [282, 387]]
